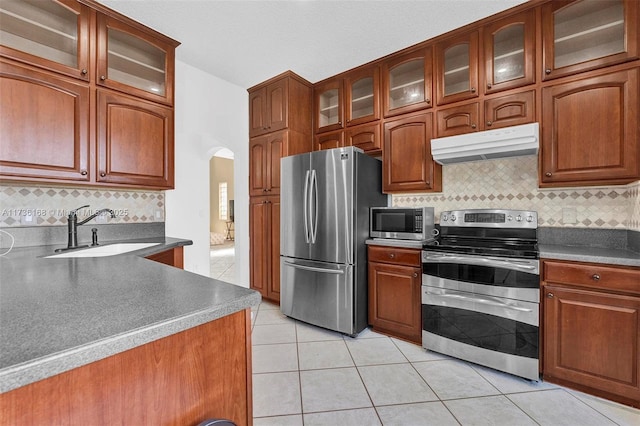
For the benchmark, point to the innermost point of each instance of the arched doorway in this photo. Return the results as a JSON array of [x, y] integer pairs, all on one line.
[[221, 217]]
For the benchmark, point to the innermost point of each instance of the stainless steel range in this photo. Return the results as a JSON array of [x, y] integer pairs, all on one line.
[[481, 290]]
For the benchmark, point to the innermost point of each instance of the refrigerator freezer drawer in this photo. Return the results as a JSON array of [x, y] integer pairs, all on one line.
[[318, 293]]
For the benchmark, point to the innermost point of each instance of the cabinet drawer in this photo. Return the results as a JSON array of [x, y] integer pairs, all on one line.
[[593, 275], [395, 255]]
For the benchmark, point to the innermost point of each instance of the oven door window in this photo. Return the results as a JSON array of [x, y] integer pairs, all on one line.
[[495, 324]]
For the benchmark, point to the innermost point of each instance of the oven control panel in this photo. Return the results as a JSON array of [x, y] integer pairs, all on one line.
[[490, 218]]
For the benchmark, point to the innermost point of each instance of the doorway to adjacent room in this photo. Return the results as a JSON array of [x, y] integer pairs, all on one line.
[[221, 229]]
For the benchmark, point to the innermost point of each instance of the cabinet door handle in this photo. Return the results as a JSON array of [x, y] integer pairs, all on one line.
[[83, 172], [489, 86], [595, 277], [548, 174], [392, 255], [473, 126], [547, 71], [415, 275], [428, 183], [549, 295], [102, 174], [428, 100], [473, 90], [489, 123], [103, 78], [84, 71]]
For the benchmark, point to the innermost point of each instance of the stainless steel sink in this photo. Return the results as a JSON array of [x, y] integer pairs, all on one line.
[[102, 251]]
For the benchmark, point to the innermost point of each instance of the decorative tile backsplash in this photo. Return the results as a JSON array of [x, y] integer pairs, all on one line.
[[513, 184], [45, 206]]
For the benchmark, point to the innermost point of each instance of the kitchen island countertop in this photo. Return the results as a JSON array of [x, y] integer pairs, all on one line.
[[59, 314]]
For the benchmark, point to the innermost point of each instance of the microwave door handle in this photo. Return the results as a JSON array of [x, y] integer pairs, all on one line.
[[306, 207]]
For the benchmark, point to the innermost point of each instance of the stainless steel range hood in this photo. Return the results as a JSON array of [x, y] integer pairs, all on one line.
[[512, 141]]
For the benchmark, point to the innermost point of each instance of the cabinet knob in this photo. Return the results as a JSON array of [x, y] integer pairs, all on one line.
[[392, 255], [548, 174], [428, 100], [264, 189], [415, 275], [595, 277], [102, 174], [103, 78], [489, 123], [428, 182], [473, 90], [473, 126], [340, 123], [84, 71], [489, 86], [547, 71], [83, 172], [549, 295]]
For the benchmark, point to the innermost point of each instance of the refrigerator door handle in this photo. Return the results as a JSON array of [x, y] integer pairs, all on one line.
[[314, 189], [314, 268], [306, 207]]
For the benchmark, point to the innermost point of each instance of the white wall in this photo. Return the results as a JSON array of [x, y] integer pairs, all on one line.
[[210, 114]]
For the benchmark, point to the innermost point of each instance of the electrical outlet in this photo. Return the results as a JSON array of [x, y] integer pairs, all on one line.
[[569, 215], [157, 215]]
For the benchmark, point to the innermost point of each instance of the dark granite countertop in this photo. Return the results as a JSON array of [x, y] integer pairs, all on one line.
[[59, 314], [612, 256]]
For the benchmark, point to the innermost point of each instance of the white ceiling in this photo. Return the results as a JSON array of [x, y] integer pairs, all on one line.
[[246, 42]]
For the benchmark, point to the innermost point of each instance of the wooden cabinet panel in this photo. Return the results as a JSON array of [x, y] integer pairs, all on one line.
[[268, 108], [265, 153], [395, 255], [394, 292], [45, 131], [197, 374], [457, 68], [591, 130], [135, 141], [173, 257], [591, 275], [329, 140], [510, 110], [407, 82], [509, 52], [328, 105], [38, 33], [362, 95], [366, 136], [581, 347], [579, 36], [458, 120], [406, 157], [264, 224]]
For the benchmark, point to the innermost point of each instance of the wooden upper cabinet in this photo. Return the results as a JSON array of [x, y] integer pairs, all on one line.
[[406, 156], [587, 34], [591, 130], [135, 141], [458, 120], [134, 61], [366, 137], [268, 108], [457, 68], [328, 105], [509, 52], [46, 133], [407, 82], [50, 34], [329, 140], [362, 91]]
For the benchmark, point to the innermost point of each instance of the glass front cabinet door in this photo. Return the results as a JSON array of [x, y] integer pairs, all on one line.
[[509, 50], [587, 34], [328, 105], [362, 90], [133, 61], [47, 33], [406, 82], [457, 68]]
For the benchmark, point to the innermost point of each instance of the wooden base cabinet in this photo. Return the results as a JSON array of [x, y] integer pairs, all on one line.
[[172, 257], [264, 247], [592, 329], [394, 292]]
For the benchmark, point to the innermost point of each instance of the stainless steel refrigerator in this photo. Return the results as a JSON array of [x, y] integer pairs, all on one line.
[[324, 221]]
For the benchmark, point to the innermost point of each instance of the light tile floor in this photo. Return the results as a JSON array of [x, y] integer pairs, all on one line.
[[305, 375], [222, 262]]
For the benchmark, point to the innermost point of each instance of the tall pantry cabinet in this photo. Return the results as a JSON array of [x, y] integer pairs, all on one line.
[[279, 125]]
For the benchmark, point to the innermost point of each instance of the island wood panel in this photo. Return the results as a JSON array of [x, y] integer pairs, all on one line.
[[200, 373], [173, 257]]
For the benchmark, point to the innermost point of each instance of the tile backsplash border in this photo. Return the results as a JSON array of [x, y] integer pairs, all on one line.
[[513, 184], [49, 206]]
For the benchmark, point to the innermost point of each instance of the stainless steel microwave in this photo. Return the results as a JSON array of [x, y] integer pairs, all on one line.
[[401, 223]]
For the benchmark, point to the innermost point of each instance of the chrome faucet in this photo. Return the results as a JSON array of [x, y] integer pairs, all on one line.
[[72, 223]]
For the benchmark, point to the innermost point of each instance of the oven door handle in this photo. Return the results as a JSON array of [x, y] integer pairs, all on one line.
[[477, 299], [526, 265]]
